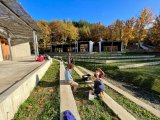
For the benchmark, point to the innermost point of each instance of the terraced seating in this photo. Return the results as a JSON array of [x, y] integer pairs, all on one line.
[[66, 96], [139, 65], [127, 95], [114, 61], [114, 106]]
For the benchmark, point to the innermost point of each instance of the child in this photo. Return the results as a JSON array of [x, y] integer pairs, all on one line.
[[99, 86], [69, 78]]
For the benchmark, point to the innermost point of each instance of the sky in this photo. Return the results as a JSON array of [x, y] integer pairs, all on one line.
[[104, 11]]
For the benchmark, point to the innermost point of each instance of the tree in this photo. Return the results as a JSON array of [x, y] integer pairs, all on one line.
[[142, 22], [154, 33], [128, 31], [58, 32], [108, 35], [118, 29], [85, 33], [46, 31], [81, 24], [72, 32], [97, 32]]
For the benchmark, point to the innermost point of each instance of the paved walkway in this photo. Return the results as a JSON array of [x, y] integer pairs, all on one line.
[[67, 101], [13, 71], [114, 106], [130, 97]]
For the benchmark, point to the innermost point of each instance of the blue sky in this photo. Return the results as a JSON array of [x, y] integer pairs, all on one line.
[[104, 11]]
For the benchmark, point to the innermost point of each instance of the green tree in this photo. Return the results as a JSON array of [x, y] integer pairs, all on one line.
[[81, 24], [84, 33]]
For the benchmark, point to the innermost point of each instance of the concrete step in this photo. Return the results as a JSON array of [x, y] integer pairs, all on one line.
[[129, 96], [114, 106], [139, 65], [67, 101], [12, 98]]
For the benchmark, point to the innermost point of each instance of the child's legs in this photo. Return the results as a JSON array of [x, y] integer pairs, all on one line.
[[75, 85]]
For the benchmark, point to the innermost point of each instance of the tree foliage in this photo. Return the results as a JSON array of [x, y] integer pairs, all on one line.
[[154, 33], [97, 32], [58, 32], [85, 33], [142, 22], [46, 31], [128, 31]]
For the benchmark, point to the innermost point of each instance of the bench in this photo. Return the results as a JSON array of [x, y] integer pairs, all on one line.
[[67, 101]]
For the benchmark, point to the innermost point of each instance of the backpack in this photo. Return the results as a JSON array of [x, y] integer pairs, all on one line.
[[67, 115]]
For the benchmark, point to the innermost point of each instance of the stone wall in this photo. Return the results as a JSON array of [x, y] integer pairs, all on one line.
[[21, 50]]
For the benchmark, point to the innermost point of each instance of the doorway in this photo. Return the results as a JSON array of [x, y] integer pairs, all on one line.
[[5, 48]]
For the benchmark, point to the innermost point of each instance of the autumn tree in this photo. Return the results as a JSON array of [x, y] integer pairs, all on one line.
[[142, 22], [84, 33], [58, 32], [128, 31], [72, 32], [118, 29], [154, 33], [97, 32], [46, 31]]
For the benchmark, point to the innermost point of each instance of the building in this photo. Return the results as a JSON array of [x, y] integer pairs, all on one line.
[[17, 31], [89, 46]]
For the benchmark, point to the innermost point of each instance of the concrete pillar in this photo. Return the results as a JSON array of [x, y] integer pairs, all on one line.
[[1, 56], [90, 46], [122, 46], [35, 44], [100, 46], [9, 43]]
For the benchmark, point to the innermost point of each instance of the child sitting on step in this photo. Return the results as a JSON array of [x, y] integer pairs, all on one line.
[[99, 86]]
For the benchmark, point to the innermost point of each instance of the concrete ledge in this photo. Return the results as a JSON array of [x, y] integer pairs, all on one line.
[[129, 96], [138, 65], [108, 57], [128, 60], [66, 96], [17, 94]]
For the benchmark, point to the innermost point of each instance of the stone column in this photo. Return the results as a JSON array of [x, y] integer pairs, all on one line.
[[9, 43], [90, 46], [35, 44], [100, 45]]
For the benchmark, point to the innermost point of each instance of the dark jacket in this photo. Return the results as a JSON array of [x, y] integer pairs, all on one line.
[[98, 86]]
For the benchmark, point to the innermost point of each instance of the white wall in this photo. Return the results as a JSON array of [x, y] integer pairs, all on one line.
[[21, 50], [1, 56]]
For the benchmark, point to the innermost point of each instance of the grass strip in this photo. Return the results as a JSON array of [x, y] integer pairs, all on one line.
[[139, 112], [90, 110], [146, 77], [44, 101]]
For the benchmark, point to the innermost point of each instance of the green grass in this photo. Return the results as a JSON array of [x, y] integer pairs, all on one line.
[[90, 110], [147, 77], [44, 101], [133, 108], [139, 112]]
